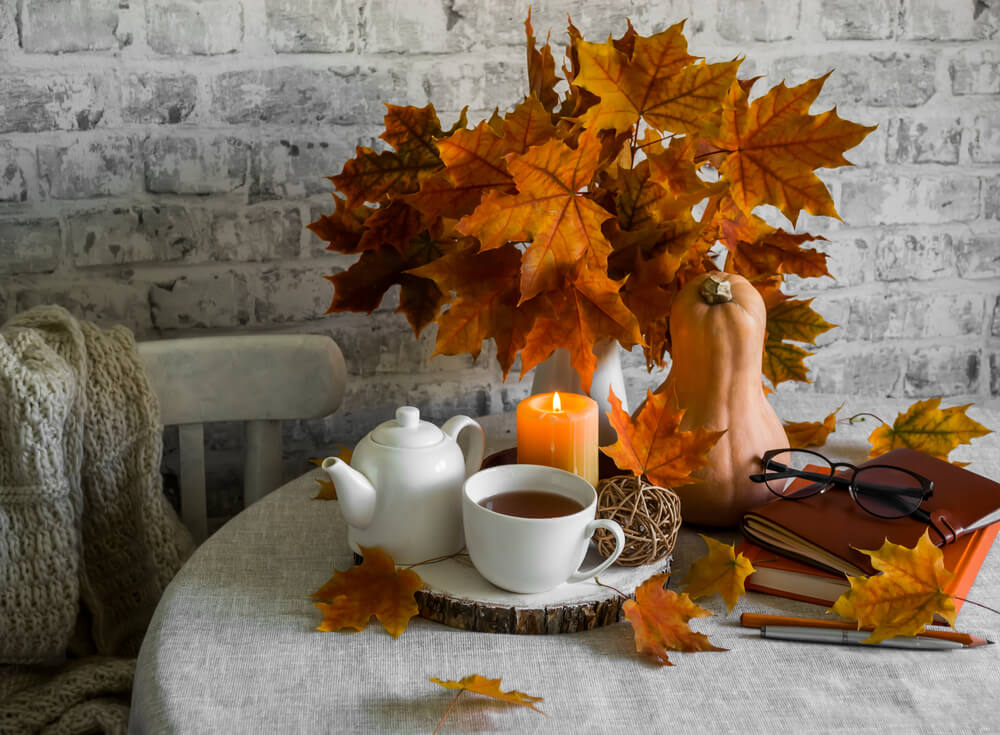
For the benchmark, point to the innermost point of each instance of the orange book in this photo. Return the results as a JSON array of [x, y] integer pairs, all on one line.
[[779, 575]]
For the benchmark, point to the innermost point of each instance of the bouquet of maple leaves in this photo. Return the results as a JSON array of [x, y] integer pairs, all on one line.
[[572, 218]]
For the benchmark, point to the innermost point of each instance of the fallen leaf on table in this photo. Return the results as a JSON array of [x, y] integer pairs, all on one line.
[[905, 597], [327, 490], [488, 688], [720, 571], [927, 428], [802, 434], [659, 618], [652, 444], [374, 587]]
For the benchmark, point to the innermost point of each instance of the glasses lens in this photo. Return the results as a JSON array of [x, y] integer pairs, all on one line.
[[796, 474], [887, 492]]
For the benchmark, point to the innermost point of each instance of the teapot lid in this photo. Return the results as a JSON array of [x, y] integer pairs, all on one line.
[[407, 430]]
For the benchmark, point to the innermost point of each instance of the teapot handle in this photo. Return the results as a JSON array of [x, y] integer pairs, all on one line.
[[477, 446]]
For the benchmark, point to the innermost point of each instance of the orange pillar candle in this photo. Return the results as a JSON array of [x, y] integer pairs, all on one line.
[[559, 430]]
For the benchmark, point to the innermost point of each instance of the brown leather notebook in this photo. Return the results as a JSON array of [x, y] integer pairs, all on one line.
[[822, 529]]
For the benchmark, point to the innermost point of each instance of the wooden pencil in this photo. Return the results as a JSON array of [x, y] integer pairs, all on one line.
[[756, 620]]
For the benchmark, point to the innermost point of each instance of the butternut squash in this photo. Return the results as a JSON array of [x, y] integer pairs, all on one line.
[[717, 344]]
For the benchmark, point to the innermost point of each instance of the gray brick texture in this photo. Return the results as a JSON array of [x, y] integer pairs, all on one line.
[[159, 161]]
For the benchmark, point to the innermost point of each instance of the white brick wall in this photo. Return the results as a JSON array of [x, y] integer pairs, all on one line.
[[160, 158]]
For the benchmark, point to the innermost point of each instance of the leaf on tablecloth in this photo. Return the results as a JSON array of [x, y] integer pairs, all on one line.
[[659, 618], [720, 571], [488, 688], [327, 489], [926, 427], [374, 587], [905, 596], [491, 688], [802, 434]]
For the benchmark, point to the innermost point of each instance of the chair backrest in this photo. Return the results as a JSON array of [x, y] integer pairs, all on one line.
[[260, 379]]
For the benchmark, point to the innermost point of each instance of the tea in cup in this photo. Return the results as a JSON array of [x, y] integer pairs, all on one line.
[[528, 527]]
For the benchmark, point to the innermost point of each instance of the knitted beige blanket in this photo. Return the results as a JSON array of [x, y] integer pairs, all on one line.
[[87, 540]]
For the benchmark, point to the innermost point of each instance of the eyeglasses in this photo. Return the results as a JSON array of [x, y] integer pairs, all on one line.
[[882, 490]]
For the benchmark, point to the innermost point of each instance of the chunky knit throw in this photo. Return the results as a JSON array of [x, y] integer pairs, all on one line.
[[87, 540]]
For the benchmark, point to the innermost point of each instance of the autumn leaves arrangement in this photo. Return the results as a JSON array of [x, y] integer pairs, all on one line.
[[571, 219]]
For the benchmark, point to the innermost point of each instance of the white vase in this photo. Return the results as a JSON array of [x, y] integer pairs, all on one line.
[[556, 373]]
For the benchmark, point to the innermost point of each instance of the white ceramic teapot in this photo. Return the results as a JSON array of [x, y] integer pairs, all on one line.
[[402, 490]]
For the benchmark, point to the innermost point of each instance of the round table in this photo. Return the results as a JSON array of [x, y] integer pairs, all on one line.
[[233, 645]]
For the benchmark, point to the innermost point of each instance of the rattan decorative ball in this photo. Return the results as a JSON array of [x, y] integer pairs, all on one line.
[[649, 514]]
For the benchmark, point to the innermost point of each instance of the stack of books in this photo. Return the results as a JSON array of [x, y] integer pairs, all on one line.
[[804, 549]]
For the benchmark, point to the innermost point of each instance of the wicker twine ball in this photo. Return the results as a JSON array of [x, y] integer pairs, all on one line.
[[650, 516]]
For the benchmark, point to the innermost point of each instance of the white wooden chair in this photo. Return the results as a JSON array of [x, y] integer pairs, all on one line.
[[260, 379]]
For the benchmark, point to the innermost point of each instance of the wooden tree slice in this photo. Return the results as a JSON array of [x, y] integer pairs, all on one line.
[[457, 596]]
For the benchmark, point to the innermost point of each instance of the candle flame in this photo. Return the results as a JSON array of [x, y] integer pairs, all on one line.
[[556, 403]]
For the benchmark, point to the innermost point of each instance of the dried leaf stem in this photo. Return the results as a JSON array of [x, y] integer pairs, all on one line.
[[977, 604], [859, 417], [448, 711]]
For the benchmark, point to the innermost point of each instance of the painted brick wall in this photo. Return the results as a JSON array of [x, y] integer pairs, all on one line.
[[160, 158]]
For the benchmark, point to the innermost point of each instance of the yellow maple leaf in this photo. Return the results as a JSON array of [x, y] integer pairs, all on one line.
[[490, 688], [927, 428], [905, 596], [720, 571], [659, 619], [374, 587], [803, 434]]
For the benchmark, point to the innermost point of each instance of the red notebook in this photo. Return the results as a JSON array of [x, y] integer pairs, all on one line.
[[778, 575]]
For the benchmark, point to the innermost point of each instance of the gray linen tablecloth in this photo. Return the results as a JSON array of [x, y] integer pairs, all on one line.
[[233, 647]]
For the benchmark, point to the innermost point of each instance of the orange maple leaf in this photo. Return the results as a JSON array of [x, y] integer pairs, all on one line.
[[393, 225], [564, 226], [773, 145], [658, 83], [486, 307], [542, 77], [927, 428], [720, 571], [778, 252], [652, 444], [374, 587], [371, 175], [905, 597], [659, 619], [344, 228], [475, 164], [576, 320], [362, 286], [802, 434]]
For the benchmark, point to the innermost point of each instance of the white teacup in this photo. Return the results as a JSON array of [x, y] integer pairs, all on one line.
[[532, 554]]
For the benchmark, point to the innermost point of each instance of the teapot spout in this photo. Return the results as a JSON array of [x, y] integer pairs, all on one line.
[[355, 493]]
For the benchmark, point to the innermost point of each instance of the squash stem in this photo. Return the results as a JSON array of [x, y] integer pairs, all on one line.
[[716, 290]]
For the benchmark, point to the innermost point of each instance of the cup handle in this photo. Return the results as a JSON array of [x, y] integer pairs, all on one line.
[[607, 524]]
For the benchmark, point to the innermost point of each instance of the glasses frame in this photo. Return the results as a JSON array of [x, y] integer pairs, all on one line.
[[846, 483]]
